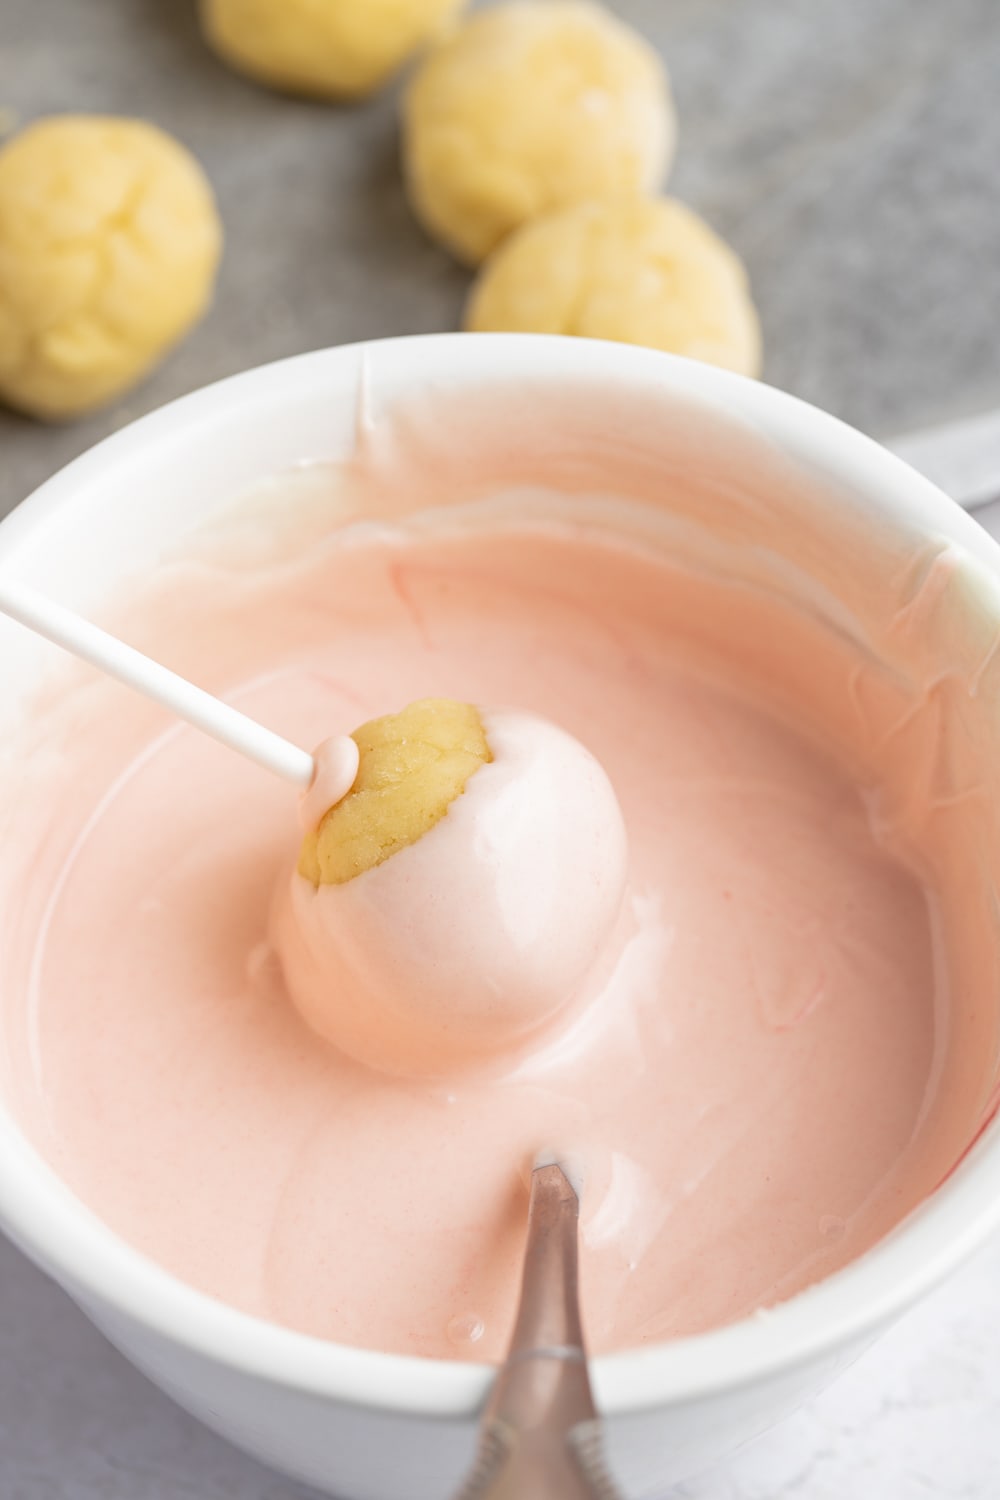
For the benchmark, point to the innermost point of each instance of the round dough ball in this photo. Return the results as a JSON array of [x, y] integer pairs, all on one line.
[[109, 244], [640, 271], [527, 107], [461, 902], [329, 49]]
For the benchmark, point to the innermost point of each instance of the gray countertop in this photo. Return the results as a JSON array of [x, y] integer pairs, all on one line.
[[849, 149]]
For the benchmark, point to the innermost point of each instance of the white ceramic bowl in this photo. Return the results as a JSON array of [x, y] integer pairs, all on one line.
[[364, 1425]]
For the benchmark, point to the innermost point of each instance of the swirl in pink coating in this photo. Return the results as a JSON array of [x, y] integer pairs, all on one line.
[[480, 934]]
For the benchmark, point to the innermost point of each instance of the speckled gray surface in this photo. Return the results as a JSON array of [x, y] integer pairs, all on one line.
[[849, 148]]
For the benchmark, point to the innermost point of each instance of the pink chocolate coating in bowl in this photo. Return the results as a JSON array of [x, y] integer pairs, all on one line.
[[766, 1078]]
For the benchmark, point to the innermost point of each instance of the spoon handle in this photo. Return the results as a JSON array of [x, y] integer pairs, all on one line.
[[541, 1435]]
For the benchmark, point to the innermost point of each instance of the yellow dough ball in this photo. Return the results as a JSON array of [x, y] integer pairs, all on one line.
[[413, 765], [528, 106], [640, 271], [330, 49], [109, 244]]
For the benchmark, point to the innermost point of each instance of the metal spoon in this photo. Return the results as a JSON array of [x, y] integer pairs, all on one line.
[[541, 1435]]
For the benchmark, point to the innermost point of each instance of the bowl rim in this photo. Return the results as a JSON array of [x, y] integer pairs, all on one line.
[[114, 1281]]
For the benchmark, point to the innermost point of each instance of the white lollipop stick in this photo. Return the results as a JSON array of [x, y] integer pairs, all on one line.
[[225, 724]]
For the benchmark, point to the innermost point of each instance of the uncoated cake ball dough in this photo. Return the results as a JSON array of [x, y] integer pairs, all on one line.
[[328, 48], [412, 766], [528, 106], [640, 271], [109, 244]]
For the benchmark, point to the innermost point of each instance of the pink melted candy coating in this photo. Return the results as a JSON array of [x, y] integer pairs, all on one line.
[[792, 1035], [336, 761], [469, 941]]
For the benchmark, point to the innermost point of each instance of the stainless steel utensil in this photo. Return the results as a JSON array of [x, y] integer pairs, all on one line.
[[541, 1435]]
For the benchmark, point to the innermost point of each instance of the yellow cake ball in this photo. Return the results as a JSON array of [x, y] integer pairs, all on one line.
[[330, 49], [412, 766], [109, 244], [528, 106], [641, 271]]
